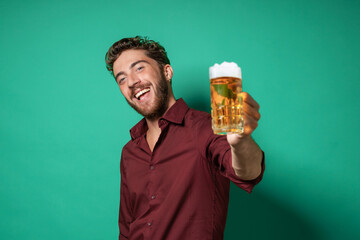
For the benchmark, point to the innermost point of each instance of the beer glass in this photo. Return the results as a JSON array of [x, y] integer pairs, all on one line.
[[226, 102]]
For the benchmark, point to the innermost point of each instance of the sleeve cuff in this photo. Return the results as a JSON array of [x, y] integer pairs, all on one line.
[[246, 185]]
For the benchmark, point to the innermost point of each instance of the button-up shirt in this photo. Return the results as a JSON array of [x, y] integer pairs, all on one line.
[[180, 190]]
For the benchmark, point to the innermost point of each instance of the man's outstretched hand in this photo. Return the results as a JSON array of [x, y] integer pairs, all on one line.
[[251, 118]]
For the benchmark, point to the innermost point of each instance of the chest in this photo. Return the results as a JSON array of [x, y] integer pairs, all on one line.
[[151, 140], [175, 163]]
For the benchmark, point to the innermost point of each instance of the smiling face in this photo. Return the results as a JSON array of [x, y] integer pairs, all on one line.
[[144, 85]]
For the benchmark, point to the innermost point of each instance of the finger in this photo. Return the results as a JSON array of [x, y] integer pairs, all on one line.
[[250, 124], [248, 99], [251, 111], [250, 121], [233, 136]]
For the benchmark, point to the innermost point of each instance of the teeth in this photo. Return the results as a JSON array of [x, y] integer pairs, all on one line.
[[141, 93]]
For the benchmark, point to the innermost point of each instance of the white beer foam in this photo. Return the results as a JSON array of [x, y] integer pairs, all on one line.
[[225, 69]]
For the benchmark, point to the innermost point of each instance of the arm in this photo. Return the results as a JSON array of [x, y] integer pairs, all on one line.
[[246, 159], [246, 154], [125, 208]]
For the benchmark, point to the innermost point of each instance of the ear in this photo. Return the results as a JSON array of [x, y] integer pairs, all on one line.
[[168, 72]]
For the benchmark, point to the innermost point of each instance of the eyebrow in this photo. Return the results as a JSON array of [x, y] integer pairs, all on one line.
[[131, 66]]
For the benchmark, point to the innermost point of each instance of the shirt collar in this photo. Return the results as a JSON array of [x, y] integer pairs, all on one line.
[[175, 114]]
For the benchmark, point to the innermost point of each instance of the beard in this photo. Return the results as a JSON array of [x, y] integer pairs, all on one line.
[[161, 101]]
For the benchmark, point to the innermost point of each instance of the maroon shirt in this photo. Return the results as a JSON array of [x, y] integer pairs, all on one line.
[[181, 189]]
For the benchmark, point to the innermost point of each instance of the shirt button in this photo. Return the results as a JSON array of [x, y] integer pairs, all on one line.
[[149, 224], [152, 167], [153, 197]]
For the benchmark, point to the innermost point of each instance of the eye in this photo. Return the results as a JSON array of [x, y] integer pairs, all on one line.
[[121, 80], [140, 68]]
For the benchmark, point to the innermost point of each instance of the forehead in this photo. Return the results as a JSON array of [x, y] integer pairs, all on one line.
[[128, 57]]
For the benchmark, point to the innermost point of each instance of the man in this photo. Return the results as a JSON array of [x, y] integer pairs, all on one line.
[[174, 171]]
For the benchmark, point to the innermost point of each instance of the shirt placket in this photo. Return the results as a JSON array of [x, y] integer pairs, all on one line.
[[153, 195]]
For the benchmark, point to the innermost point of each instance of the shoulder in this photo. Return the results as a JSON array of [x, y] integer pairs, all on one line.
[[196, 117], [126, 150], [200, 124]]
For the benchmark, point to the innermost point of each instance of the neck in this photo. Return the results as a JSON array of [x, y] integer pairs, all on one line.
[[152, 124]]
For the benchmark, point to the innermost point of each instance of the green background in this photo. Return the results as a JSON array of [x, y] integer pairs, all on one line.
[[64, 121]]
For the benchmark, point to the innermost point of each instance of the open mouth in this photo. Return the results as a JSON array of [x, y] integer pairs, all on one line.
[[141, 93]]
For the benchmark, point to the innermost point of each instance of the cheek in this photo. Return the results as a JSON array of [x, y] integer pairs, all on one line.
[[121, 90], [124, 92]]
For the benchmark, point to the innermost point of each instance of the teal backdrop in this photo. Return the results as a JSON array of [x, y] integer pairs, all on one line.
[[63, 120]]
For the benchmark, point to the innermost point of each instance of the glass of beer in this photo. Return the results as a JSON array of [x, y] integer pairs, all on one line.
[[226, 102]]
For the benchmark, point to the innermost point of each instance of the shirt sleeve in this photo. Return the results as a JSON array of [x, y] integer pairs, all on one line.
[[217, 150], [125, 215], [223, 162]]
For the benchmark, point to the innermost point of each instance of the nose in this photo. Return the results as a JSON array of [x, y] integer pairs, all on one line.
[[133, 80]]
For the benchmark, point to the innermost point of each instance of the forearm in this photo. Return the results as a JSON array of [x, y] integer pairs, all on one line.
[[246, 159]]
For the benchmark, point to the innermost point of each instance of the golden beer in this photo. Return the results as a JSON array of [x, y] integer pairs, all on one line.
[[226, 103]]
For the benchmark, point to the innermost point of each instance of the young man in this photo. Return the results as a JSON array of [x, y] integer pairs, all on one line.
[[175, 173]]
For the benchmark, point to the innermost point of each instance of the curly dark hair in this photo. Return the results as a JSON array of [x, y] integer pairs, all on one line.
[[153, 50]]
